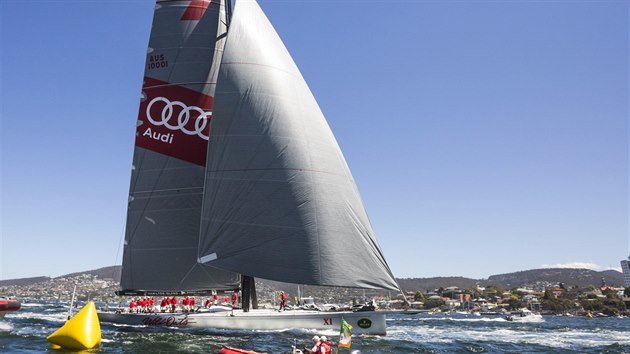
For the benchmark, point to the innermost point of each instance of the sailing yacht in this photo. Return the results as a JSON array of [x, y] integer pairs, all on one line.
[[236, 175]]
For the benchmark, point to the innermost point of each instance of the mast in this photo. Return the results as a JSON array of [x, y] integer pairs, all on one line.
[[249, 298]]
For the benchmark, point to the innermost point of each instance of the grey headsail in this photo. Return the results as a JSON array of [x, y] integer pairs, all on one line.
[[280, 202], [163, 218]]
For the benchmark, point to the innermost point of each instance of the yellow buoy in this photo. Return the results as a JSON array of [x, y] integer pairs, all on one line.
[[83, 331]]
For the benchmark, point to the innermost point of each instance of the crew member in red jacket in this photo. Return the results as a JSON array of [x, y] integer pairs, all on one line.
[[132, 304], [173, 304], [325, 344]]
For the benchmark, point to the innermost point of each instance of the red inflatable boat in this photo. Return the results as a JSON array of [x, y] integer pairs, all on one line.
[[8, 305], [228, 350]]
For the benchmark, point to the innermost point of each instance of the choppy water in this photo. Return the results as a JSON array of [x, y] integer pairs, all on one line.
[[25, 332]]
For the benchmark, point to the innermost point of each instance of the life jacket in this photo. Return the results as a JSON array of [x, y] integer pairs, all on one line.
[[326, 346], [321, 348]]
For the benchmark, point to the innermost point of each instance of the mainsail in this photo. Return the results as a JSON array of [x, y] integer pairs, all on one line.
[[163, 219], [280, 202]]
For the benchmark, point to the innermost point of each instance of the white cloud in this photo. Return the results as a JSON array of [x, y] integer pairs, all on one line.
[[582, 265], [579, 265]]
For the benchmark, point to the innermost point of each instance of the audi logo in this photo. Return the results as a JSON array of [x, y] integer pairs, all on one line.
[[201, 119]]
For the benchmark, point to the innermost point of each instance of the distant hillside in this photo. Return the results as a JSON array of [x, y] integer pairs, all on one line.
[[428, 284], [570, 277], [23, 281], [112, 273], [613, 277]]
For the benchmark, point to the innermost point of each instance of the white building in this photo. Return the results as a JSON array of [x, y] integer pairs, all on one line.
[[625, 267]]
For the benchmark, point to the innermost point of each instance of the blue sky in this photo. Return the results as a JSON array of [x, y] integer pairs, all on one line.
[[485, 136]]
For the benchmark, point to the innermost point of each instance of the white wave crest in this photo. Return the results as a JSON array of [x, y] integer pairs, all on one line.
[[54, 317], [5, 326]]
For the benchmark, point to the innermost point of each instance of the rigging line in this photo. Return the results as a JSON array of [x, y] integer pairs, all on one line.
[[120, 244], [165, 190], [187, 274], [163, 1]]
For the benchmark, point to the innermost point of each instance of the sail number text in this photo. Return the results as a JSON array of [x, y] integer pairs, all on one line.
[[157, 61]]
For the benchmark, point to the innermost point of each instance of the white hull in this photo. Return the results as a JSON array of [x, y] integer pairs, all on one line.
[[525, 315], [368, 322], [528, 318]]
